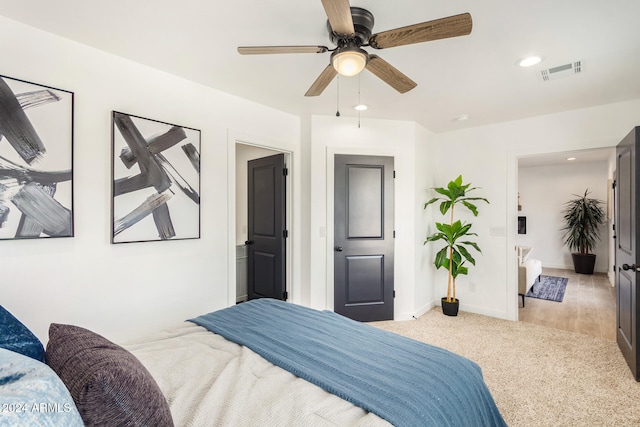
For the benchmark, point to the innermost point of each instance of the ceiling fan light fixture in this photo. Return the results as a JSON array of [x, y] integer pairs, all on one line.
[[349, 61]]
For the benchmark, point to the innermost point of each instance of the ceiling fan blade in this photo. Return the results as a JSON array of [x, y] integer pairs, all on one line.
[[265, 50], [339, 14], [453, 26], [389, 74], [322, 81]]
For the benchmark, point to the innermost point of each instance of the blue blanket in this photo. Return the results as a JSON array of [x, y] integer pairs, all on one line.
[[406, 382]]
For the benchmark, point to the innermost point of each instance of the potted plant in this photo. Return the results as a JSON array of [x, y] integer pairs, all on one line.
[[583, 217], [455, 234]]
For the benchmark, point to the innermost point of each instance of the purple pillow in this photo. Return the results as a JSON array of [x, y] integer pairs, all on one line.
[[108, 384]]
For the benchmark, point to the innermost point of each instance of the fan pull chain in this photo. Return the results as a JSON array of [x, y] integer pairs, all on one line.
[[359, 103], [338, 96]]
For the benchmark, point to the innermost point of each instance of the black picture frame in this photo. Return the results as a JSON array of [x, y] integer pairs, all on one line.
[[155, 180], [36, 160]]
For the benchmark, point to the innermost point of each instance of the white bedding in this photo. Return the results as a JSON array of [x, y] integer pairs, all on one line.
[[209, 381]]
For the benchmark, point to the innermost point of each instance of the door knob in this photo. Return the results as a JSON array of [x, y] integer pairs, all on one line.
[[630, 267], [248, 242], [339, 249]]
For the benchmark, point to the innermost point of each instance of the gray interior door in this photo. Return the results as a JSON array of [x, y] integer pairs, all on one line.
[[363, 238], [627, 265], [266, 255]]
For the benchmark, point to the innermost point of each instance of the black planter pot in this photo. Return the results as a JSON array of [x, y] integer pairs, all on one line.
[[450, 308], [583, 264]]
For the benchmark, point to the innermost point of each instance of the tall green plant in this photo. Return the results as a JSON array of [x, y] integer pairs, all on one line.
[[583, 217], [455, 252]]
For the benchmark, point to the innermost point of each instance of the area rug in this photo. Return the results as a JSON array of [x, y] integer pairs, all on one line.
[[550, 288]]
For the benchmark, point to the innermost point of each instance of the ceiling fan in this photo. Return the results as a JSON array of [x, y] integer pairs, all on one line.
[[350, 30]]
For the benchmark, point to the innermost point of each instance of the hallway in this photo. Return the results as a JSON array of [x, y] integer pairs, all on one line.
[[589, 306]]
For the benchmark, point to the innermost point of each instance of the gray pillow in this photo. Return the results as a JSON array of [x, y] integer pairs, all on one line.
[[108, 384]]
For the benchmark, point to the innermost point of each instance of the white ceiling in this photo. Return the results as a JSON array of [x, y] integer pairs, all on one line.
[[599, 155], [474, 75]]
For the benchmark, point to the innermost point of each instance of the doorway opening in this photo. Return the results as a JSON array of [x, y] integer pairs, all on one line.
[[544, 183], [243, 154]]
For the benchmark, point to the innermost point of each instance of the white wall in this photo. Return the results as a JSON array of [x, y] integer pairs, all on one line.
[[85, 280], [425, 297], [483, 165], [487, 157], [543, 193]]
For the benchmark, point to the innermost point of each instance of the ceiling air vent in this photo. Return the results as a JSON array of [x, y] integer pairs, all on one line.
[[565, 70]]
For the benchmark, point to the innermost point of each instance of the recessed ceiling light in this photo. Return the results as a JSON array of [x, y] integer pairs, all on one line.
[[571, 158], [529, 61], [360, 107], [461, 118]]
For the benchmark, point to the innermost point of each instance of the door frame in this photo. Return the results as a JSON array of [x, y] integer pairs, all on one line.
[[293, 257], [512, 305], [329, 249]]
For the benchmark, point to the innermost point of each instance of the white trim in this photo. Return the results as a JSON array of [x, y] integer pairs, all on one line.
[[511, 304], [419, 312]]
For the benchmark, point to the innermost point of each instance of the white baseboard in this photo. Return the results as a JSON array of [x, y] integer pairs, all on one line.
[[416, 314], [463, 307], [570, 267]]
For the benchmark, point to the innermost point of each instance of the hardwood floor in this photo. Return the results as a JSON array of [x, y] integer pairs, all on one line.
[[589, 306]]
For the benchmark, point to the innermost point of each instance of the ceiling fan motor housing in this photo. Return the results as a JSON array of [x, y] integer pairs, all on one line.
[[355, 31], [362, 23]]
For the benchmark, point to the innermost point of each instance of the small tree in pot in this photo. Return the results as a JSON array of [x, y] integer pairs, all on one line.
[[583, 217], [455, 251]]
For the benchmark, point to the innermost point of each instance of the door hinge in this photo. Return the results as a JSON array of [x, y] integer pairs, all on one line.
[[285, 172], [285, 295], [285, 233], [394, 174], [394, 234], [394, 293]]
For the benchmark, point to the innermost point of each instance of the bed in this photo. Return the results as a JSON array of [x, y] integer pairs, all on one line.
[[267, 363]]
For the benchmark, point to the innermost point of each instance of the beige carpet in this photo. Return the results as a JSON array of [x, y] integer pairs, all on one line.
[[538, 376]]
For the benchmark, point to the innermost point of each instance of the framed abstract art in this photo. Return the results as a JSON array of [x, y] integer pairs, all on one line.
[[156, 180], [36, 160]]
